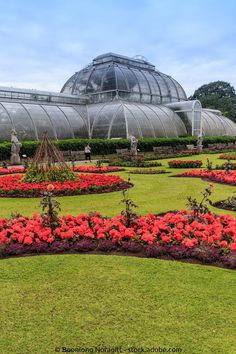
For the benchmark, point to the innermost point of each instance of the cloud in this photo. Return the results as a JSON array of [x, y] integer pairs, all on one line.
[[44, 43]]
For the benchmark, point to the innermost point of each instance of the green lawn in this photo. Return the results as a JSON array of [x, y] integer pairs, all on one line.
[[152, 193], [95, 300]]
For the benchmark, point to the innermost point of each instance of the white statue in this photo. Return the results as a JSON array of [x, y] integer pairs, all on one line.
[[133, 145], [15, 148], [199, 141]]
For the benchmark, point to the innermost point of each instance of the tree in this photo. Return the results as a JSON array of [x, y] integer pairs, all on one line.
[[217, 95]]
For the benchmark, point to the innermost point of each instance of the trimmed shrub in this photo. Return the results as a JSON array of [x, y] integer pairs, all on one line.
[[109, 146], [185, 163]]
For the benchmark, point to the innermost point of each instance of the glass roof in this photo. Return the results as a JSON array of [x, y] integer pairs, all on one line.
[[119, 119], [31, 120], [112, 75], [215, 124]]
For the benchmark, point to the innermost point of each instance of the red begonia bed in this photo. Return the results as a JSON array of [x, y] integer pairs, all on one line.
[[209, 239], [12, 186]]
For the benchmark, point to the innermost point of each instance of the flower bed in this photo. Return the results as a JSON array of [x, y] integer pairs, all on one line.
[[184, 163], [12, 186], [227, 204], [177, 235], [227, 157], [11, 170], [227, 165], [134, 163], [94, 169], [148, 171], [214, 176]]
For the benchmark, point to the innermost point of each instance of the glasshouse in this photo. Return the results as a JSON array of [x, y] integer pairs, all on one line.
[[113, 97]]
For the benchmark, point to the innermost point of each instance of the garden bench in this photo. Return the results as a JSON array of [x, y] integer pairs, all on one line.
[[122, 152], [179, 147], [163, 149], [77, 153], [73, 153], [191, 147], [66, 153], [212, 146]]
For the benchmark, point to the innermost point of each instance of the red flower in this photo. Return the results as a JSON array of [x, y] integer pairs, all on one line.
[[50, 187], [233, 246], [28, 240], [223, 244]]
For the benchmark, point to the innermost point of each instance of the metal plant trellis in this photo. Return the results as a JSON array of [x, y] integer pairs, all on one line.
[[48, 155], [48, 164]]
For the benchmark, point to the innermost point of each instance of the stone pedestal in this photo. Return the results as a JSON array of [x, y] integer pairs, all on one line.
[[15, 159]]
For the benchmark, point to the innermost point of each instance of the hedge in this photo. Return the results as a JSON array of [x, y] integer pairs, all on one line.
[[109, 146]]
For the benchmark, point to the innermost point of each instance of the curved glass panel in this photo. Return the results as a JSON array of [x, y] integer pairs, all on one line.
[[155, 89], [5, 125], [118, 126], [59, 121], [95, 81], [41, 120], [143, 84], [142, 123], [155, 118], [162, 85], [181, 93], [172, 89], [131, 80], [81, 82], [21, 120], [121, 80], [214, 124], [76, 122], [100, 128], [109, 81], [69, 85]]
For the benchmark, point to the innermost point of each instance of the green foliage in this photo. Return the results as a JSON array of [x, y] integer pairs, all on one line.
[[5, 151], [209, 164], [228, 167], [229, 203], [109, 146], [49, 207], [219, 88], [55, 174], [218, 95], [128, 212], [201, 207], [134, 163]]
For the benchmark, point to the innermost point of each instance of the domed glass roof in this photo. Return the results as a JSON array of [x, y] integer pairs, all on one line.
[[111, 75]]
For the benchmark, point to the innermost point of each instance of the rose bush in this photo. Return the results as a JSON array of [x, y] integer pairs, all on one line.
[[13, 186], [214, 176], [175, 234], [184, 163]]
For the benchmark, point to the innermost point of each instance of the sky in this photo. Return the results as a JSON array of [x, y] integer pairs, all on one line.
[[44, 42]]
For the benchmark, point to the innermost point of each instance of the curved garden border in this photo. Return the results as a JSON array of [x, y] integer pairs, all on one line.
[[217, 176], [12, 187], [94, 169], [210, 239]]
